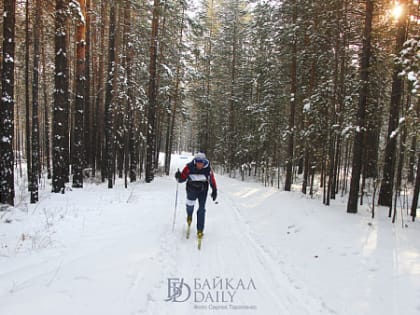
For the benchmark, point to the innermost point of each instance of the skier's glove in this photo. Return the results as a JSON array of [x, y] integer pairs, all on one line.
[[177, 175], [214, 194]]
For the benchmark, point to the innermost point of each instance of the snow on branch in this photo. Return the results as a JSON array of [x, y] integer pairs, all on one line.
[[76, 10], [410, 60]]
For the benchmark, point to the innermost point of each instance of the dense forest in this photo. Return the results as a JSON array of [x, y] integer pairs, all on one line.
[[313, 96]]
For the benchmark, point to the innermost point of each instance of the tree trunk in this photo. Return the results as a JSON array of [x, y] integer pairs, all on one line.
[[7, 190], [308, 152], [27, 98], [68, 109], [373, 127], [88, 132], [47, 134], [61, 105], [78, 147], [331, 165], [403, 148], [412, 159], [35, 125], [361, 112], [387, 186], [133, 143], [175, 98], [207, 127], [412, 153], [109, 98], [231, 135], [100, 108], [130, 163], [341, 44], [293, 90], [306, 170], [416, 191], [160, 110], [152, 95]]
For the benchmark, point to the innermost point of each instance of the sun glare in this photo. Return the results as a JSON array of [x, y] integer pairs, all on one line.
[[397, 11]]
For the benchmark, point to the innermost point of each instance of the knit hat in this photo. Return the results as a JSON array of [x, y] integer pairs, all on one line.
[[200, 157]]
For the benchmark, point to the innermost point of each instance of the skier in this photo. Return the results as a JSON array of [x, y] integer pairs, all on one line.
[[198, 175]]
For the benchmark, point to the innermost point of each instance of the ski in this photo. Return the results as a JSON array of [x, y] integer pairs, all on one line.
[[188, 231], [200, 237]]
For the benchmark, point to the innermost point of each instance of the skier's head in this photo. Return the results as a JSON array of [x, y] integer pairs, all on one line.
[[200, 160]]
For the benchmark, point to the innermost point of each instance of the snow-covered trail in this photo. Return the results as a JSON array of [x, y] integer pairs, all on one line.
[[100, 251], [229, 251]]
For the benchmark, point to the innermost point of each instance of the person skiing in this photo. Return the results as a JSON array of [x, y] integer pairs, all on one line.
[[198, 175]]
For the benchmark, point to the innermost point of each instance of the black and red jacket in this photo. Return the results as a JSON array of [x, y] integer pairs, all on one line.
[[198, 180]]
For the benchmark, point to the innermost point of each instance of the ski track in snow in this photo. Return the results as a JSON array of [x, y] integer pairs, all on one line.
[[297, 303], [228, 245]]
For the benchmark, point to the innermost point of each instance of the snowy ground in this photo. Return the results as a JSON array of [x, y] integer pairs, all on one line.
[[100, 251]]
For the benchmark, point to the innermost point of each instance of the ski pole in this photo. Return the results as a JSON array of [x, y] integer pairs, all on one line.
[[176, 204]]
